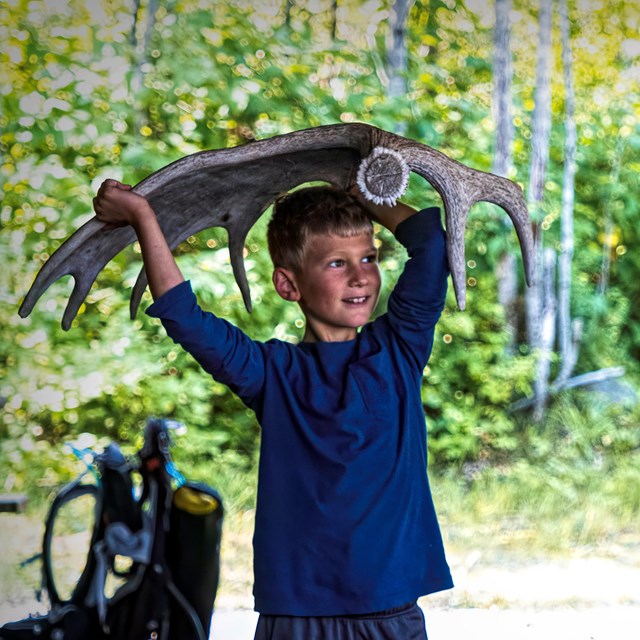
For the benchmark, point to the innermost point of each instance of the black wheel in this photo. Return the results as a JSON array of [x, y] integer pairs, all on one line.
[[70, 531]]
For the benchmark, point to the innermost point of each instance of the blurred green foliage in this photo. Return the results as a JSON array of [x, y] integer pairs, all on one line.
[[91, 91]]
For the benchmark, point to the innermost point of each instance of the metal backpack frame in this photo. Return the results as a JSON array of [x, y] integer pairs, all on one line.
[[170, 537]]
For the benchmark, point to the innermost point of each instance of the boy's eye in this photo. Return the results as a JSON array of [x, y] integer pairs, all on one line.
[[372, 258], [336, 263]]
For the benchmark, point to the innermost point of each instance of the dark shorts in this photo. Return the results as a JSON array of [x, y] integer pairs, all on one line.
[[403, 623]]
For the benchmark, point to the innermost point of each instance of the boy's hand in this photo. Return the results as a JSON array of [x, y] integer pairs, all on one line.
[[389, 217], [116, 204]]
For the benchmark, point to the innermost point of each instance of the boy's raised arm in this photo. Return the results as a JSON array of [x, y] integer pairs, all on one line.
[[116, 203], [388, 217]]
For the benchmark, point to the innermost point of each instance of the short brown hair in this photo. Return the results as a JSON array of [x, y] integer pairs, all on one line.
[[320, 210]]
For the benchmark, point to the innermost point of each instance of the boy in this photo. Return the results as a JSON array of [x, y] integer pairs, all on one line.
[[346, 537]]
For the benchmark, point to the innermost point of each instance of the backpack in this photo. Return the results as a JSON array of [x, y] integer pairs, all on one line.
[[168, 539]]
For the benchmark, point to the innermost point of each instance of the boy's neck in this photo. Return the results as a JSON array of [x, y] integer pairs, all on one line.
[[312, 335]]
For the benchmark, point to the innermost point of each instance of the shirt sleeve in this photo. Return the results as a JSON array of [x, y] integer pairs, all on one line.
[[418, 298], [222, 349]]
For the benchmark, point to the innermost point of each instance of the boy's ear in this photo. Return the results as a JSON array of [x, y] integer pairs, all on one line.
[[285, 284]]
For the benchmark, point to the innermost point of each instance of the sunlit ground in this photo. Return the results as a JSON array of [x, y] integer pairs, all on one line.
[[579, 558]]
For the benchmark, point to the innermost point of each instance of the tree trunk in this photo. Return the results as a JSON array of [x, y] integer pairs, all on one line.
[[547, 334], [566, 340], [334, 20], [540, 303], [539, 159], [502, 74], [141, 47], [542, 111], [287, 12], [134, 27], [397, 50], [506, 269]]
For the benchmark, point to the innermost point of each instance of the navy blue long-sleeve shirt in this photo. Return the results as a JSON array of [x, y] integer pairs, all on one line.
[[345, 522]]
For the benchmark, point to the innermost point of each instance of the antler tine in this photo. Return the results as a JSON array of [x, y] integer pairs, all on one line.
[[319, 153], [509, 196], [238, 211], [236, 248], [456, 213], [340, 169], [91, 247], [232, 187], [460, 188]]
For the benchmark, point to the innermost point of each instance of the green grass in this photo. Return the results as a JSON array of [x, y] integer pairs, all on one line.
[[553, 504], [541, 509], [515, 515]]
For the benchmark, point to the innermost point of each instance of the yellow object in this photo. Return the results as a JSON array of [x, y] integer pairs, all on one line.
[[194, 502]]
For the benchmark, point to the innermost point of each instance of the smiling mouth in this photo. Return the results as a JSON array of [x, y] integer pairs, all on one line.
[[358, 300]]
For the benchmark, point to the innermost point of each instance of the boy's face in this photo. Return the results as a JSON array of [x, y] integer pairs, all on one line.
[[337, 286]]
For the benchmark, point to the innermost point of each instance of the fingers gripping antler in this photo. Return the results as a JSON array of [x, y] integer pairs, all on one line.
[[231, 188]]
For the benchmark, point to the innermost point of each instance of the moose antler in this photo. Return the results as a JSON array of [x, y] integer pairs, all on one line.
[[231, 188]]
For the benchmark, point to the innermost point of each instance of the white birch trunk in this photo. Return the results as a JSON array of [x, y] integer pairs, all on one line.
[[502, 77], [547, 335], [506, 269], [142, 44], [539, 158], [134, 26], [397, 49], [542, 111], [568, 346]]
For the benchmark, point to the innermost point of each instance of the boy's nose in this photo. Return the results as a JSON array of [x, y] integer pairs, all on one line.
[[359, 276]]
